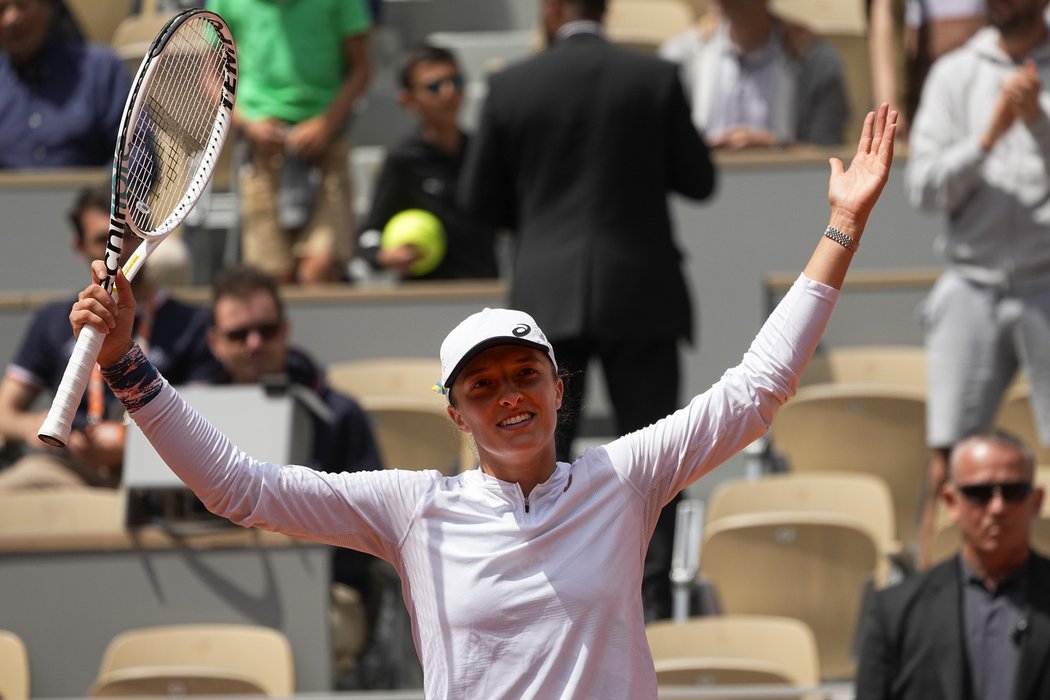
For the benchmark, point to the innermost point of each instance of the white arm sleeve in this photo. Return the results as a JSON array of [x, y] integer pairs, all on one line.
[[666, 457]]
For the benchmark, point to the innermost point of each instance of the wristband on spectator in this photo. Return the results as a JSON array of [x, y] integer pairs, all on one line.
[[841, 238]]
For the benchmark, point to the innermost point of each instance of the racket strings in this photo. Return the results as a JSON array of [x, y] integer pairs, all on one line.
[[175, 127]]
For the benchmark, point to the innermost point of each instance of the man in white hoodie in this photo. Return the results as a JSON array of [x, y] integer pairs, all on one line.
[[980, 152]]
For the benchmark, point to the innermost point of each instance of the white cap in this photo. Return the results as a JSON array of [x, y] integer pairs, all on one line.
[[485, 329]]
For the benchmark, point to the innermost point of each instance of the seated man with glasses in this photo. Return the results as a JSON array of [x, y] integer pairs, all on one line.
[[249, 336], [170, 331], [421, 173], [976, 626]]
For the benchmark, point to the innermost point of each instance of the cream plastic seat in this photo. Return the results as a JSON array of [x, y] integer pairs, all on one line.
[[418, 435], [897, 365], [814, 567], [211, 658], [645, 24], [734, 649], [409, 421], [134, 34], [864, 498], [14, 667], [411, 377], [1015, 415], [149, 681], [99, 20], [866, 428], [62, 511]]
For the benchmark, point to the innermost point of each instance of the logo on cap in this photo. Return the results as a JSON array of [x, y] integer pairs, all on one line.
[[521, 330]]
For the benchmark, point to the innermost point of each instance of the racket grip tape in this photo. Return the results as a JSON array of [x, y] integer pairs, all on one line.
[[56, 427]]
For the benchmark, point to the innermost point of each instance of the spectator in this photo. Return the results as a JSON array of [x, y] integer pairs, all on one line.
[[758, 80], [980, 151], [173, 332], [249, 335], [932, 28], [421, 173], [976, 626], [62, 97], [576, 153], [303, 66]]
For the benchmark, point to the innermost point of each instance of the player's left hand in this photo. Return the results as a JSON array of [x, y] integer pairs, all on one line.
[[853, 192]]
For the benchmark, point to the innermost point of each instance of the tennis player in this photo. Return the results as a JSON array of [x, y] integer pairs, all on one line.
[[522, 577]]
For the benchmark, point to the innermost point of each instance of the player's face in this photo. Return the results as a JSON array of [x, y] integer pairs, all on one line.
[[23, 27], [508, 398], [249, 337], [437, 92], [997, 526]]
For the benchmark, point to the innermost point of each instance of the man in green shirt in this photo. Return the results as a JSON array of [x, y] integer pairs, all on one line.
[[303, 66]]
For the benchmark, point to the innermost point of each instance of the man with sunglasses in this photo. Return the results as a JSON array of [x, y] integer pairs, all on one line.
[[249, 336], [172, 333], [977, 626], [421, 173]]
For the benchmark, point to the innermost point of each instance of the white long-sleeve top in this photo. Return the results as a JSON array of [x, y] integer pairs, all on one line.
[[508, 598]]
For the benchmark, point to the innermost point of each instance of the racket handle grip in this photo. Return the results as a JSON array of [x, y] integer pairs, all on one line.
[[55, 428]]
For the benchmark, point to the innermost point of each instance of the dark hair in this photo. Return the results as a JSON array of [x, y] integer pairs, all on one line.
[[88, 198], [242, 282], [591, 9], [422, 53]]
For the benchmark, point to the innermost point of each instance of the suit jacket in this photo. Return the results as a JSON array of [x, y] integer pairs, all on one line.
[[913, 646], [576, 152]]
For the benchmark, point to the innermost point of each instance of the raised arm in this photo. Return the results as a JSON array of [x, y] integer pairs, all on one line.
[[852, 193]]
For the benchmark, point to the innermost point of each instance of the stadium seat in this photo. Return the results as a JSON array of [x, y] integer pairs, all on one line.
[[99, 20], [733, 650], [409, 421], [897, 365], [62, 511], [867, 428], [815, 567], [864, 498], [200, 659], [1015, 415], [645, 24], [14, 667], [150, 681]]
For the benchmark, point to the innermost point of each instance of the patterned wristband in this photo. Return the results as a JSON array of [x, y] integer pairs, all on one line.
[[133, 379], [841, 238]]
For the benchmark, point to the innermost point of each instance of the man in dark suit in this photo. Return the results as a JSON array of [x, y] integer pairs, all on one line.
[[977, 626], [576, 153]]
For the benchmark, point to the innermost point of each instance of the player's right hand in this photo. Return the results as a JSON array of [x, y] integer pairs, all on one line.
[[112, 317]]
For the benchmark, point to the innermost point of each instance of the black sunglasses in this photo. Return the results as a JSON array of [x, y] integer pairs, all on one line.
[[981, 494], [267, 331], [435, 86]]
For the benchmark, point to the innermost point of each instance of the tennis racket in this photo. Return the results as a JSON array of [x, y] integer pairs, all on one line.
[[174, 124]]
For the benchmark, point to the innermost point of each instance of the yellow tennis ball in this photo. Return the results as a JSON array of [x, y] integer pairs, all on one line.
[[423, 231]]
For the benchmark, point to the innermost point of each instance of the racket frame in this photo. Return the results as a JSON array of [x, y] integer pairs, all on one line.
[[56, 427]]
